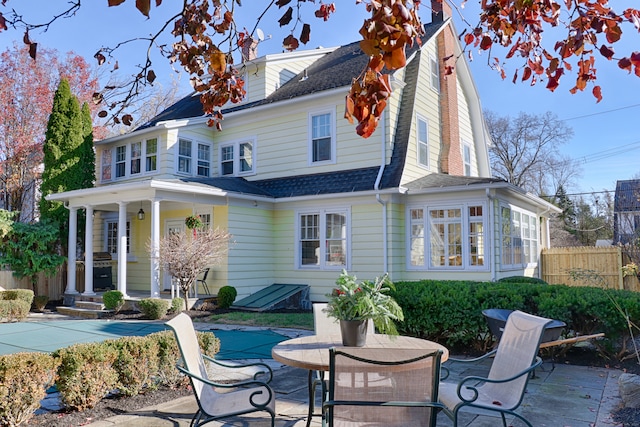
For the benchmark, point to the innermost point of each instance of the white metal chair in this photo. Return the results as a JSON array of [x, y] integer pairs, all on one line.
[[238, 398], [503, 389], [377, 387]]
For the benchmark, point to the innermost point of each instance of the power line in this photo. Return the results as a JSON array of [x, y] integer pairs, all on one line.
[[601, 112]]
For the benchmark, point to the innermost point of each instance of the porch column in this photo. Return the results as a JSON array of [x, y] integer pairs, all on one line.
[[88, 252], [155, 248], [71, 251], [122, 247]]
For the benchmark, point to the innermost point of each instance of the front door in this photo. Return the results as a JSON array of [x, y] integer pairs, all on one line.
[[171, 226]]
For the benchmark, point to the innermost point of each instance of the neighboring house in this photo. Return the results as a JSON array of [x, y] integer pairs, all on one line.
[[303, 196], [626, 211]]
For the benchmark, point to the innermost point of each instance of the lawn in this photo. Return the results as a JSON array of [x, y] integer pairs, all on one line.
[[273, 320]]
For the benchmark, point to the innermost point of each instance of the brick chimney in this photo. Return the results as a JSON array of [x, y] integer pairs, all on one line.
[[451, 154], [249, 49]]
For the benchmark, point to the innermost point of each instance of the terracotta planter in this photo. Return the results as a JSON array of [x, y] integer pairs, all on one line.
[[354, 332]]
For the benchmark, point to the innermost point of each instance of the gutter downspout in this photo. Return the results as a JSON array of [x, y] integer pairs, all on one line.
[[494, 264], [376, 187]]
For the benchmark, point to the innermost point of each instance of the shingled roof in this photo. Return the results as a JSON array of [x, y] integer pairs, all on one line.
[[441, 180], [627, 196]]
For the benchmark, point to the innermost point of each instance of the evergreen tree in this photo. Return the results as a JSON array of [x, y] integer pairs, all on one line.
[[563, 201], [87, 154], [66, 157]]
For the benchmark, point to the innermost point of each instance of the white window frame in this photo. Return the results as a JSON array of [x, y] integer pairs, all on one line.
[[434, 70], [192, 159], [109, 162], [466, 158], [332, 129], [237, 159], [524, 240], [324, 248], [150, 157], [120, 150], [422, 145], [112, 218], [419, 234], [135, 157]]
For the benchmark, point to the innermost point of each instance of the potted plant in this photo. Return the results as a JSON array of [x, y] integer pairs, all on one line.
[[354, 303]]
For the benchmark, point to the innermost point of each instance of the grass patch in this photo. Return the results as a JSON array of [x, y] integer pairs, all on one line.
[[273, 320]]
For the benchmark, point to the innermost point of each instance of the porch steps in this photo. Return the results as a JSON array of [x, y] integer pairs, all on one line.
[[85, 313]]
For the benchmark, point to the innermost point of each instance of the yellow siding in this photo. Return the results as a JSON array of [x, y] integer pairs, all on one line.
[[427, 106]]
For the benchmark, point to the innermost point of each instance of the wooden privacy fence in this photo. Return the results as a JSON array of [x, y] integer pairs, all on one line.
[[51, 286], [604, 261]]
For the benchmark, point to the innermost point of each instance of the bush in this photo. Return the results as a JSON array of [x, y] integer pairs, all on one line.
[[226, 296], [40, 302], [86, 374], [113, 300], [523, 279], [14, 309], [136, 364], [154, 308], [176, 305], [168, 355], [25, 295], [24, 379]]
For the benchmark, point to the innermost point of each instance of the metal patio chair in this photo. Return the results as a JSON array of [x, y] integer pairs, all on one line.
[[503, 389], [382, 387], [237, 398], [203, 282]]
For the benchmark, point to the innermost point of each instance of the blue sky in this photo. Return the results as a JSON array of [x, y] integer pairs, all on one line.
[[606, 140]]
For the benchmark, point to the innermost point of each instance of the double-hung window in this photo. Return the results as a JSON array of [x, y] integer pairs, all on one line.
[[111, 237], [466, 158], [106, 164], [451, 237], [136, 157], [237, 158], [323, 239], [435, 73], [121, 161], [322, 140], [151, 155], [194, 158], [422, 143]]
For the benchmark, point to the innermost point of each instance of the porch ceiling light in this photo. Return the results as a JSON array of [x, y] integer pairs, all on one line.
[[141, 214]]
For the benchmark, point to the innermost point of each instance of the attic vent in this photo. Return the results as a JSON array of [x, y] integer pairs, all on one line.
[[304, 75]]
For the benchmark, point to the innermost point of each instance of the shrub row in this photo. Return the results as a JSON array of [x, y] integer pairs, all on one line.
[[15, 304], [450, 312], [86, 373]]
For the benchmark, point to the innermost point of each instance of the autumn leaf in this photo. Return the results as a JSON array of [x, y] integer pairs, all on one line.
[[286, 18], [290, 43], [218, 62], [282, 3], [144, 6], [486, 42], [115, 2], [25, 39], [606, 52], [395, 59], [102, 114], [469, 38], [305, 34], [625, 64], [597, 93], [151, 76], [100, 58], [3, 23], [33, 48]]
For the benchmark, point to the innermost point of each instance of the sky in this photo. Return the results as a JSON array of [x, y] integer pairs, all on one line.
[[606, 141]]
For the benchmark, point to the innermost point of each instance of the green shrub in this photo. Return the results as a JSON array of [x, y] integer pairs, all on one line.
[[176, 305], [136, 364], [226, 296], [523, 279], [86, 374], [113, 300], [154, 308], [168, 355], [25, 295], [40, 302], [14, 309], [24, 379]]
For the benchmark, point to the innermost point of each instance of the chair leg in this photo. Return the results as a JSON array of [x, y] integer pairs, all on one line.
[[312, 397], [206, 288]]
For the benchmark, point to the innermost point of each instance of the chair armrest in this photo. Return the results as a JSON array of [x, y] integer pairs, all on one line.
[[266, 368], [475, 359], [235, 384], [479, 380]]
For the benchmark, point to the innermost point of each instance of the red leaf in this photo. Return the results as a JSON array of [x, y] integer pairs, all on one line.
[[144, 6], [613, 34], [485, 44], [115, 2], [527, 74], [151, 77], [469, 38], [25, 38], [625, 64], [281, 3], [606, 52], [33, 48], [597, 92], [290, 43], [305, 34], [100, 58], [286, 18], [102, 114], [635, 58], [127, 119]]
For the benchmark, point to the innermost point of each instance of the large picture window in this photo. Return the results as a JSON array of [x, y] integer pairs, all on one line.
[[451, 237], [323, 239]]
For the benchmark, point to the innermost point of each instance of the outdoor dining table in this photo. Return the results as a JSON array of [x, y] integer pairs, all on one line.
[[312, 352]]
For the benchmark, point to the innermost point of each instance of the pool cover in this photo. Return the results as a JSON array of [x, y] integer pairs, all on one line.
[[48, 336]]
